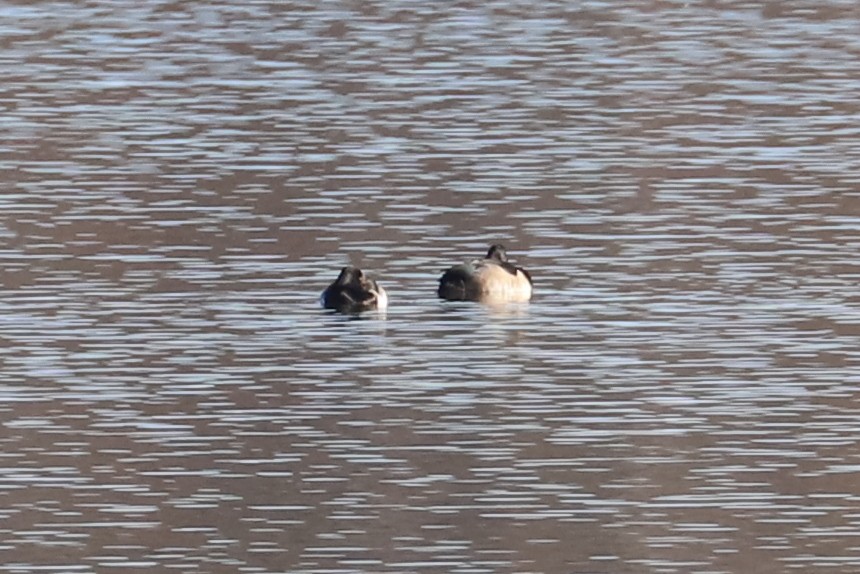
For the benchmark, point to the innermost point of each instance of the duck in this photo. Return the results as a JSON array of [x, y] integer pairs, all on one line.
[[354, 292], [492, 279]]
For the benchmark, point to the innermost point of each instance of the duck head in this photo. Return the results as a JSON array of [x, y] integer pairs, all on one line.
[[497, 252]]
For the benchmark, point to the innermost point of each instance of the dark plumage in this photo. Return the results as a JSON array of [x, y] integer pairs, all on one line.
[[354, 292]]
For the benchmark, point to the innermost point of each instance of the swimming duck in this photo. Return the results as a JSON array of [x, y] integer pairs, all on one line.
[[354, 292], [490, 280]]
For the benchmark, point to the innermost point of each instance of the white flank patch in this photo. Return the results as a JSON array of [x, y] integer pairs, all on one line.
[[381, 299]]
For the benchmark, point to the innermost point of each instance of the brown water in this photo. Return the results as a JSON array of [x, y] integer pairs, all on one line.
[[181, 180]]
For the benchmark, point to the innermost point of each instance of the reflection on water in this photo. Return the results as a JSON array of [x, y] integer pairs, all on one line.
[[182, 180]]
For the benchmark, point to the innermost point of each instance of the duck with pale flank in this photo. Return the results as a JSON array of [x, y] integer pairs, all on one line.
[[492, 279], [354, 292]]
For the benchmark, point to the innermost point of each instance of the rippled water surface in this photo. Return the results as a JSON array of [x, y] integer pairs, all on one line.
[[181, 180]]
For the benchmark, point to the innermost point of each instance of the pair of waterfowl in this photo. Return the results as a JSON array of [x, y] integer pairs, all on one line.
[[491, 279]]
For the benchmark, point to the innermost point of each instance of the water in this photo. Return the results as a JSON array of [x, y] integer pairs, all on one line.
[[181, 181]]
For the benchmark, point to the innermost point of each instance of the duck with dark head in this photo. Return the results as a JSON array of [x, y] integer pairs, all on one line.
[[492, 279], [354, 292]]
